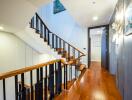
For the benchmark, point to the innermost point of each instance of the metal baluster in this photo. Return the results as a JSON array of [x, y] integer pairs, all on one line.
[[31, 84], [68, 52], [37, 95], [56, 42], [23, 87], [20, 92], [66, 77], [48, 37], [56, 78], [71, 72], [41, 29], [37, 24], [41, 84], [59, 77], [32, 23], [16, 87], [60, 42], [45, 85], [52, 40], [51, 81], [45, 32], [64, 45], [74, 52], [4, 90], [75, 72]]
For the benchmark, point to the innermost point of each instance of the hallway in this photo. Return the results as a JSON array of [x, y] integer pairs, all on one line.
[[95, 84]]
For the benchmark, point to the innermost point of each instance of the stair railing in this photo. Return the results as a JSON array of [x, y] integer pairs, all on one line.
[[53, 40], [39, 82]]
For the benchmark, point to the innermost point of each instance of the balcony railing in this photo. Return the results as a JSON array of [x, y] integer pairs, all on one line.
[[39, 82]]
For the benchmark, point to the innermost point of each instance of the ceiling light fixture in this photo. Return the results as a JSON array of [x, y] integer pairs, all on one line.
[[1, 28], [98, 31], [95, 18], [93, 2]]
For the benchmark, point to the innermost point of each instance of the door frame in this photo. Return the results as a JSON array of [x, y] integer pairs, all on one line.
[[89, 43]]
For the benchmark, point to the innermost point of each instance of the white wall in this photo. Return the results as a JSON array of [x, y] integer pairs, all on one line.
[[95, 35], [64, 25], [16, 54]]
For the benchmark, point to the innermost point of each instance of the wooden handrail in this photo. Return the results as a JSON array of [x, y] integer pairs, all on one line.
[[26, 69], [29, 68], [59, 37]]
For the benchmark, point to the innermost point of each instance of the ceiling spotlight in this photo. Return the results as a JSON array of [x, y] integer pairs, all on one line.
[[95, 18], [1, 28], [99, 31], [93, 2]]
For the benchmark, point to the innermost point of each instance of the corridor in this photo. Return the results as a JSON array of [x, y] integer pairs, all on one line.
[[95, 84]]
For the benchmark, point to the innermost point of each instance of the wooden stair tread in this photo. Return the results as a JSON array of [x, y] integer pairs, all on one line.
[[81, 67]]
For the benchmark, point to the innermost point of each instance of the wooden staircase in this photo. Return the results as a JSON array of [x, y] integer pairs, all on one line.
[[70, 53]]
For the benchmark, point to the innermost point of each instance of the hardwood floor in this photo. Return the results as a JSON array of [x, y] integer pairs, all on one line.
[[95, 84]]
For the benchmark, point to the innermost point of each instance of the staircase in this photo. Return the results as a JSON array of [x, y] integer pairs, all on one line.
[[71, 54]]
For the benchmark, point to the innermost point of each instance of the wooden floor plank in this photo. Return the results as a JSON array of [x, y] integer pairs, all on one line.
[[95, 84]]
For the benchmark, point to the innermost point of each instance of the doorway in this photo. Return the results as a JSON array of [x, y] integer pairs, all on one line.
[[98, 45]]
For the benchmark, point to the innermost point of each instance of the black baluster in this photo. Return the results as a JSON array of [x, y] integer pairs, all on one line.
[[68, 52], [64, 45], [37, 75], [51, 81], [32, 23], [41, 84], [52, 40], [66, 77], [56, 42], [48, 37], [71, 72], [37, 86], [31, 84], [37, 24], [60, 42], [45, 32], [73, 52], [56, 78], [23, 87], [41, 29], [16, 87], [45, 85], [4, 90], [75, 72], [20, 92], [59, 81]]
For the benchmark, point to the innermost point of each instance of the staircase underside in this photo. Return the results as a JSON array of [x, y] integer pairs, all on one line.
[[95, 84]]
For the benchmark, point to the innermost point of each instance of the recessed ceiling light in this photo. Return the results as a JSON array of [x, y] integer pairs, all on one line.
[[98, 31], [95, 18], [93, 2], [1, 28]]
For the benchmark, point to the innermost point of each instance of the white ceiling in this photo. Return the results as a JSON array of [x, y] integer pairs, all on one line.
[[84, 10], [16, 14]]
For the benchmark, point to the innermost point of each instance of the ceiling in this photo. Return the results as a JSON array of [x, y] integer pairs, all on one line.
[[16, 14], [83, 11]]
